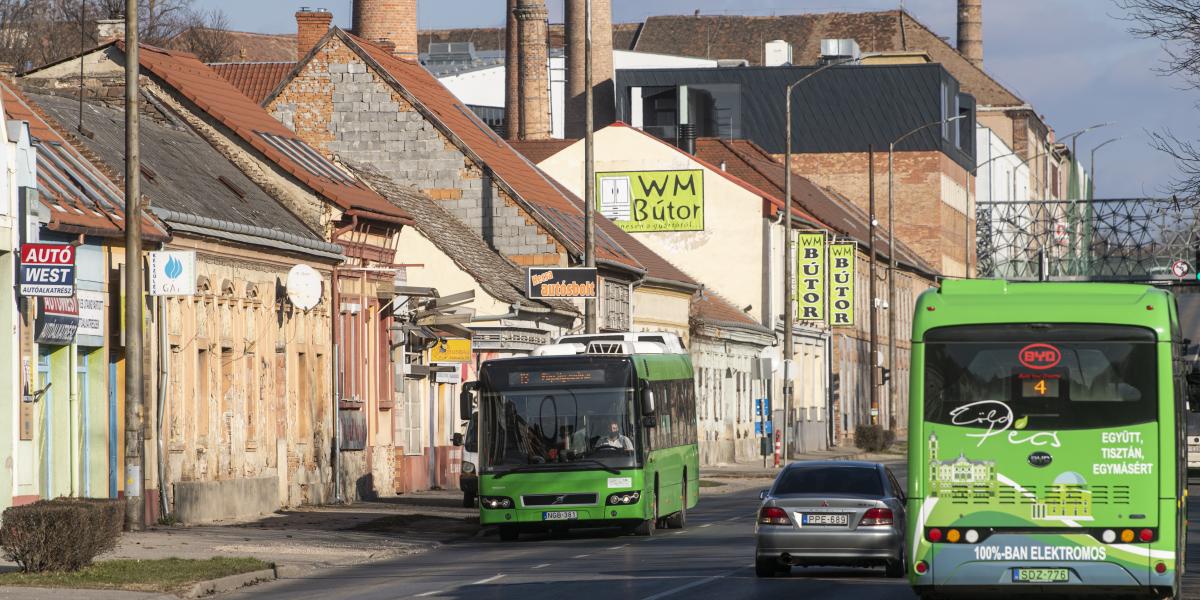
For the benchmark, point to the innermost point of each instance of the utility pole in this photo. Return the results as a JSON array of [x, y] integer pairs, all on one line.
[[589, 172], [135, 500], [789, 256], [874, 332]]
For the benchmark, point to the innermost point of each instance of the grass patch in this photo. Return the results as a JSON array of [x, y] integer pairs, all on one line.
[[710, 483], [164, 575]]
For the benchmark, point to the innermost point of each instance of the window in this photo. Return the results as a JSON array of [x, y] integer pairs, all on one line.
[[410, 418], [857, 481], [616, 305]]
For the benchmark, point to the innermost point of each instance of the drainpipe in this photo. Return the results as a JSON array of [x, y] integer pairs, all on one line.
[[164, 374]]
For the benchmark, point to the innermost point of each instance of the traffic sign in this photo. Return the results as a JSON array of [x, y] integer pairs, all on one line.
[[1180, 268]]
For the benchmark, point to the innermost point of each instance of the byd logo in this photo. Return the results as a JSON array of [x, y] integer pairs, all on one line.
[[1039, 356]]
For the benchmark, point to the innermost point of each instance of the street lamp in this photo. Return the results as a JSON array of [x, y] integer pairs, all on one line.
[[1087, 223], [789, 316], [891, 398], [1092, 166]]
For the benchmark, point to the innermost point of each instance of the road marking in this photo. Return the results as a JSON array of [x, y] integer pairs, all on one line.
[[732, 519], [488, 580], [581, 556], [684, 587], [429, 593], [618, 547], [706, 525], [542, 566], [680, 532]]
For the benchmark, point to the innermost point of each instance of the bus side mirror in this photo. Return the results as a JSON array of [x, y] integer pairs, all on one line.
[[466, 399], [457, 439], [647, 402]]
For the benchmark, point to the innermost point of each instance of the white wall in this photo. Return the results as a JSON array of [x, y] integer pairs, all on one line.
[[485, 87]]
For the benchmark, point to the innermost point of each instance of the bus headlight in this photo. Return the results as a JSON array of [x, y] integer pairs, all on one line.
[[468, 468], [499, 502], [623, 498]]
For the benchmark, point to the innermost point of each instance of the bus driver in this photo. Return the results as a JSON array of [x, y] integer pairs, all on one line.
[[615, 440]]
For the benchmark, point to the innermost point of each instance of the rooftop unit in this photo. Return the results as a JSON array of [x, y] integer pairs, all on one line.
[[670, 341], [833, 50]]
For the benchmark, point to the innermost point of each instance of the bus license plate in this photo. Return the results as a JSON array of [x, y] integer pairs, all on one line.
[[835, 519], [1039, 575], [560, 515]]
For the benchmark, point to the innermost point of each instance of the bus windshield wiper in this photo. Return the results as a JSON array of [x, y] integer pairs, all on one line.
[[603, 466]]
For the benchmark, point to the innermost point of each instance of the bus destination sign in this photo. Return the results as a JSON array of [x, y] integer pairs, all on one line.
[[548, 378]]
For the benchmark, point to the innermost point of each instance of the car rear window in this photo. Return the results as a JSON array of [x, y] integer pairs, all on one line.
[[858, 481]]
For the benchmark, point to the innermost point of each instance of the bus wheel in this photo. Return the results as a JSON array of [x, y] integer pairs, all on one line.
[[647, 527], [679, 519], [468, 500], [509, 533]]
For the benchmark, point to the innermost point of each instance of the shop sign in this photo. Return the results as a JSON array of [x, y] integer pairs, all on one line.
[[455, 350], [841, 285], [810, 294], [650, 201], [172, 273], [454, 376], [551, 282], [57, 321], [91, 313], [47, 270]]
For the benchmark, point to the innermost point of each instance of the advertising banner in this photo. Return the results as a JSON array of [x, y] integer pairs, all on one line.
[[454, 350], [172, 273], [553, 282], [57, 321], [650, 201], [841, 285], [91, 313], [810, 295], [47, 270]]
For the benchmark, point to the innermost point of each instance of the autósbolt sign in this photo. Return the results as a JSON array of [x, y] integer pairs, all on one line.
[[568, 282], [47, 270]]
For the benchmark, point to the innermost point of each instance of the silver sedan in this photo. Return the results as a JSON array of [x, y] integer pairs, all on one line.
[[831, 513]]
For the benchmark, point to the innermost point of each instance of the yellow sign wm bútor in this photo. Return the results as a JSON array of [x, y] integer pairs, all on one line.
[[649, 201], [841, 284], [810, 297]]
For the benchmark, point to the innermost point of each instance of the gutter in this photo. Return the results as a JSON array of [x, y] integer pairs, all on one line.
[[249, 233], [691, 287], [612, 264]]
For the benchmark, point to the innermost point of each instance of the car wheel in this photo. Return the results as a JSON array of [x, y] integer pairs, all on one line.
[[468, 500], [766, 567], [895, 568], [509, 533]]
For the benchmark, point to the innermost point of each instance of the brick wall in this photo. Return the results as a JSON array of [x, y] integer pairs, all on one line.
[[391, 20], [928, 188], [341, 107], [310, 27]]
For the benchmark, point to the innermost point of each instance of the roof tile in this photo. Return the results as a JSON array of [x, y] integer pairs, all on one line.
[[255, 79]]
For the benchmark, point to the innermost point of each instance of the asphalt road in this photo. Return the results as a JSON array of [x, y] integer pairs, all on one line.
[[713, 557]]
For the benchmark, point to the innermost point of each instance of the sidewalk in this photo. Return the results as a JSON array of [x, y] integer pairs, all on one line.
[[298, 541]]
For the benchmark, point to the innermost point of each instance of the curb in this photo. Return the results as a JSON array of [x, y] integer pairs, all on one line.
[[230, 583]]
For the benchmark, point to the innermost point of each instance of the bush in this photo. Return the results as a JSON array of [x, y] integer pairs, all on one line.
[[873, 438], [65, 534]]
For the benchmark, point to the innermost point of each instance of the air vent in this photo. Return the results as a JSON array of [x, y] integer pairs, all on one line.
[[608, 348]]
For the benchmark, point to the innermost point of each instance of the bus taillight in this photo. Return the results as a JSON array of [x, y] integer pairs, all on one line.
[[934, 535]]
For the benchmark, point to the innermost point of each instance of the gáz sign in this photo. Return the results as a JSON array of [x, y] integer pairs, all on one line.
[[551, 282], [810, 297], [1039, 357], [647, 201], [47, 270]]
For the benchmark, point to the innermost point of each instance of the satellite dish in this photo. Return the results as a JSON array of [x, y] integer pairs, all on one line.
[[304, 287]]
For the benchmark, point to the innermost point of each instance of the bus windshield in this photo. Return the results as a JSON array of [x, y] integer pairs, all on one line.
[[1034, 377], [559, 416]]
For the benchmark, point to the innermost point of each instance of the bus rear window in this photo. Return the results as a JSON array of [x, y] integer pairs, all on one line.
[[1040, 377]]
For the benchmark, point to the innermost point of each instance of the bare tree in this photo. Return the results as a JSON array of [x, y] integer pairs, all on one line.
[[1176, 23], [207, 37]]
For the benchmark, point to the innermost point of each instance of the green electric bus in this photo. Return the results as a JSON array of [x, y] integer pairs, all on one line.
[[602, 436], [1046, 450]]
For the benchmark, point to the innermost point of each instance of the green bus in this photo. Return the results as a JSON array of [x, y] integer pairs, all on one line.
[[1046, 450], [603, 436]]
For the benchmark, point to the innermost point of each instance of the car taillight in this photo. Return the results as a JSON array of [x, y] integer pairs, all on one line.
[[876, 516], [773, 515]]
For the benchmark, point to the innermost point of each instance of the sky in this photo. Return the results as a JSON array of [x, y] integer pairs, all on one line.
[[1072, 60]]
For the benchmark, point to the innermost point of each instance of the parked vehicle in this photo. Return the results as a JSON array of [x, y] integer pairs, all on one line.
[[831, 513], [468, 474]]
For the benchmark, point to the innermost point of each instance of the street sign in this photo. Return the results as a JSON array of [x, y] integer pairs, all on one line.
[[47, 270], [758, 428], [553, 282], [758, 406], [1181, 268], [1060, 232], [172, 273]]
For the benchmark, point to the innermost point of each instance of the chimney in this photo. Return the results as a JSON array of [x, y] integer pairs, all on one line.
[[533, 67], [109, 30], [394, 20], [970, 31], [311, 26], [603, 107], [512, 78]]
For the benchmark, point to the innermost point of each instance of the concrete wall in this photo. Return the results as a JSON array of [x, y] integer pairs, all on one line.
[[341, 107], [208, 501]]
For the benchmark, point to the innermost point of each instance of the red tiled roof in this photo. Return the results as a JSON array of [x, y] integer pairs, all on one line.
[[545, 202], [711, 309], [81, 196], [248, 46], [539, 150], [255, 79], [217, 97]]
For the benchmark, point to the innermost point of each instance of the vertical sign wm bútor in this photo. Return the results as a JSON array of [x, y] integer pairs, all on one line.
[[810, 293], [841, 284]]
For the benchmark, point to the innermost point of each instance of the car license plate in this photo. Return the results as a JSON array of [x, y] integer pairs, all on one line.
[[830, 519], [560, 515], [1040, 575]]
